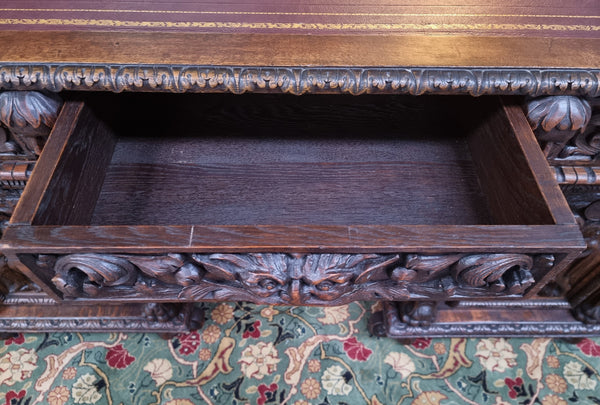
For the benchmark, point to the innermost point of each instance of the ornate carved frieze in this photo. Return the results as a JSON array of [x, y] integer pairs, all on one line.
[[296, 279], [298, 80]]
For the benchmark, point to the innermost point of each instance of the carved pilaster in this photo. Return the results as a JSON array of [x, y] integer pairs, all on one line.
[[26, 119]]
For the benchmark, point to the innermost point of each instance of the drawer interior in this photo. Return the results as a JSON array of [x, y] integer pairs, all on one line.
[[290, 161], [263, 159]]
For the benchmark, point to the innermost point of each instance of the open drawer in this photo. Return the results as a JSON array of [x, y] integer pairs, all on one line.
[[311, 200]]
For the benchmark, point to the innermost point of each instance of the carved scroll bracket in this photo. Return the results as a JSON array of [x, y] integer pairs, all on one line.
[[294, 279]]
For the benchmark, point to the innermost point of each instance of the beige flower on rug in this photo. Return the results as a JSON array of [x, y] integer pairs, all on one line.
[[553, 361], [222, 314], [439, 348], [334, 315], [311, 388], [58, 396], [314, 366], [401, 363], [160, 370], [556, 383], [205, 354], [18, 365], [496, 354], [268, 313], [259, 360], [211, 334], [69, 373]]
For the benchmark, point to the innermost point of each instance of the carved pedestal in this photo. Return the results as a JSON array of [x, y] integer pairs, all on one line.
[[568, 130], [26, 119]]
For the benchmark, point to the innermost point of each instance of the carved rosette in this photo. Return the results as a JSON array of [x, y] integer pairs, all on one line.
[[29, 117], [556, 120], [293, 279]]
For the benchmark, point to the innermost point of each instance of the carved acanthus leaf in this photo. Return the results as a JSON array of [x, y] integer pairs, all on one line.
[[170, 269], [565, 113], [488, 270], [89, 273], [29, 116]]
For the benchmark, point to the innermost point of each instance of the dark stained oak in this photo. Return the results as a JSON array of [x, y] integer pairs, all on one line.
[[357, 189]]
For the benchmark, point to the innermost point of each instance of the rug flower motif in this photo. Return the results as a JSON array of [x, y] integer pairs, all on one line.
[[251, 354]]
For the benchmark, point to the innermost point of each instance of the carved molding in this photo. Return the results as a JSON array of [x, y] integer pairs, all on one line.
[[294, 279], [389, 322], [86, 324], [298, 80], [501, 329]]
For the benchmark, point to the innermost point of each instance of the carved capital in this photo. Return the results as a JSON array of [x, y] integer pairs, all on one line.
[[292, 279], [29, 117], [556, 120]]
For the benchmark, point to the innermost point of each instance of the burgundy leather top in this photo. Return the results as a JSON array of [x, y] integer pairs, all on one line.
[[548, 18]]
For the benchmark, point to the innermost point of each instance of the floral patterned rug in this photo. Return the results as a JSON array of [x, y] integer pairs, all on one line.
[[250, 354]]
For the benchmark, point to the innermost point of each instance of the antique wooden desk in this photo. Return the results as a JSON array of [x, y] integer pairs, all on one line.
[[301, 154]]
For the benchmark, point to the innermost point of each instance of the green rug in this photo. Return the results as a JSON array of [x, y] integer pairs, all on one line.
[[250, 354]]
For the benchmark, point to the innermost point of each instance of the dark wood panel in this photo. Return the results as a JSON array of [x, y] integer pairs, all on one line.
[[292, 193], [506, 174], [343, 239]]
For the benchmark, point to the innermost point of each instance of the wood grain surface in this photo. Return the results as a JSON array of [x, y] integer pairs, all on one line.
[[297, 50]]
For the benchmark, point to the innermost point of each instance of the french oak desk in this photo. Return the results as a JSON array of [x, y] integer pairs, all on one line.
[[159, 154]]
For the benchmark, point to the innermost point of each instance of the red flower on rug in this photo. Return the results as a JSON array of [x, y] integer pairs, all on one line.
[[17, 340], [13, 398], [252, 331], [356, 350], [189, 342], [119, 357], [266, 394], [421, 343], [589, 347], [515, 386]]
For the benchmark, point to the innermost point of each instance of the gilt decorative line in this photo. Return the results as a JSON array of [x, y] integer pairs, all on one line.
[[296, 279], [299, 80]]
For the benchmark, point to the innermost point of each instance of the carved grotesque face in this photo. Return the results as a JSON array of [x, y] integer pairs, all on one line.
[[295, 279]]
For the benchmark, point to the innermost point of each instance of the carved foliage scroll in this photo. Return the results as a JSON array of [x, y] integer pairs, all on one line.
[[296, 279]]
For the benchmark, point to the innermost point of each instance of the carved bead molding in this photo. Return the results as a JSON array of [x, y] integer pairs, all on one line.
[[29, 117], [298, 80], [556, 120], [297, 279]]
